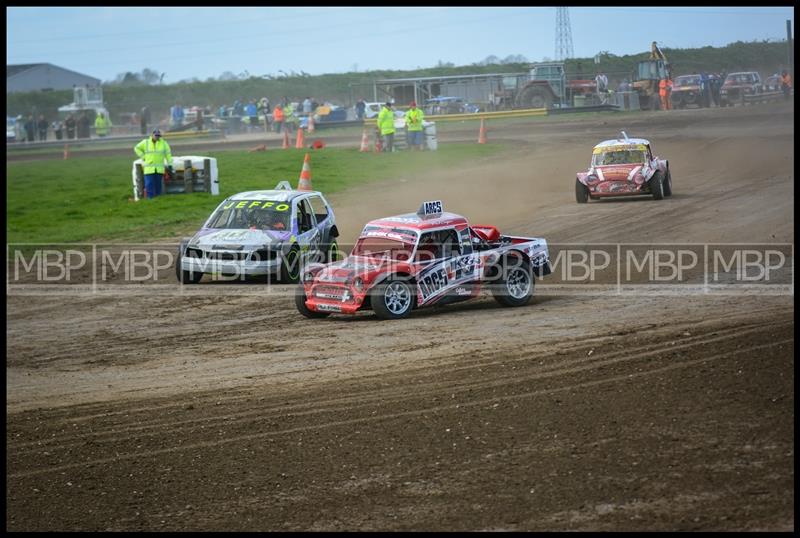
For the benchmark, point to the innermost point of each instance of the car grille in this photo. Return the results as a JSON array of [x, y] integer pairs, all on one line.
[[227, 256], [334, 293]]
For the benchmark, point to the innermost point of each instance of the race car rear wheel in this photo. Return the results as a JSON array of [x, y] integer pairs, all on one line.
[[514, 283], [290, 266], [392, 299], [668, 184], [657, 186], [186, 277], [332, 254], [581, 192], [300, 303]]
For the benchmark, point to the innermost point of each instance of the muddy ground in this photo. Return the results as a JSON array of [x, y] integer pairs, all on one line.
[[220, 408]]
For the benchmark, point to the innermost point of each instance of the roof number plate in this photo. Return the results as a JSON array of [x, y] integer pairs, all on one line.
[[433, 207]]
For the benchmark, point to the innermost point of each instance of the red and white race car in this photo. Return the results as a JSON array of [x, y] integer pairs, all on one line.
[[421, 259], [624, 167]]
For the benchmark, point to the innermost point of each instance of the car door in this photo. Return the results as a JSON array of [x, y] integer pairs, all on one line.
[[451, 266], [308, 234]]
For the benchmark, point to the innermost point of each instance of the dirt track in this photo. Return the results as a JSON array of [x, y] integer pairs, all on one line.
[[228, 411]]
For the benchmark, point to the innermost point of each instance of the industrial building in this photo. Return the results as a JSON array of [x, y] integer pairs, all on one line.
[[44, 77]]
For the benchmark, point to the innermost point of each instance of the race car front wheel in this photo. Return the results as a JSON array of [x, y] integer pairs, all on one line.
[[657, 186], [290, 267], [668, 184], [186, 277], [514, 282], [392, 299], [581, 192], [300, 303]]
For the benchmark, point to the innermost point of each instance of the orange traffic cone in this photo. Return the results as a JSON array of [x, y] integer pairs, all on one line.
[[364, 141], [261, 147], [285, 140], [66, 151], [482, 133], [299, 143], [304, 184], [378, 143], [310, 124]]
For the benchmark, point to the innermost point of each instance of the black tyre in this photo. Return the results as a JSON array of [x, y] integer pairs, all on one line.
[[290, 267], [535, 98], [581, 192], [657, 186], [186, 277], [392, 298], [332, 252], [300, 303], [513, 285], [668, 184]]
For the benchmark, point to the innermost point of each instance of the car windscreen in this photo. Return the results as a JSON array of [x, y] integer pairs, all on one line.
[[618, 157], [258, 214], [687, 81], [383, 247]]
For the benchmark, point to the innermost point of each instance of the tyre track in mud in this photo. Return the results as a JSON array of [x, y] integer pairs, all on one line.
[[531, 369], [462, 361]]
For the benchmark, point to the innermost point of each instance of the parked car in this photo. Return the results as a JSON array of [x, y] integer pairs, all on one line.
[[449, 105], [269, 232], [772, 83], [11, 129], [422, 259], [624, 167], [686, 91], [739, 85]]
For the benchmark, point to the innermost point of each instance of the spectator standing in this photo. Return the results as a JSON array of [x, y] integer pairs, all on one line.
[[289, 119], [662, 93], [252, 113], [102, 125], [361, 106], [278, 117], [144, 119], [307, 106], [58, 129], [786, 84], [30, 128], [601, 80], [716, 85], [70, 125], [42, 126], [261, 111], [154, 152], [83, 126], [414, 119], [705, 90], [177, 115], [386, 126]]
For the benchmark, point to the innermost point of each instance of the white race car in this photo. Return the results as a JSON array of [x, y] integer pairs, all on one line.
[[269, 232]]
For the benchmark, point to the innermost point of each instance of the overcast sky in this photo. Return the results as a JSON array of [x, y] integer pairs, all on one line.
[[204, 42]]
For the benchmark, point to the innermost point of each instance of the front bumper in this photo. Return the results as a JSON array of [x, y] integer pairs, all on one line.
[[328, 297], [231, 263]]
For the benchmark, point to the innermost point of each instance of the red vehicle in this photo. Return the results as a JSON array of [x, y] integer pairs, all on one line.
[[421, 259], [624, 167]]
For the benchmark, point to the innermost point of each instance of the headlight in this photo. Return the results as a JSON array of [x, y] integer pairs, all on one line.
[[358, 284], [592, 179], [638, 179], [308, 276]]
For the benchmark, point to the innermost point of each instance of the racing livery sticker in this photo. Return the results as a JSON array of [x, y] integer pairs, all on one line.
[[440, 277]]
